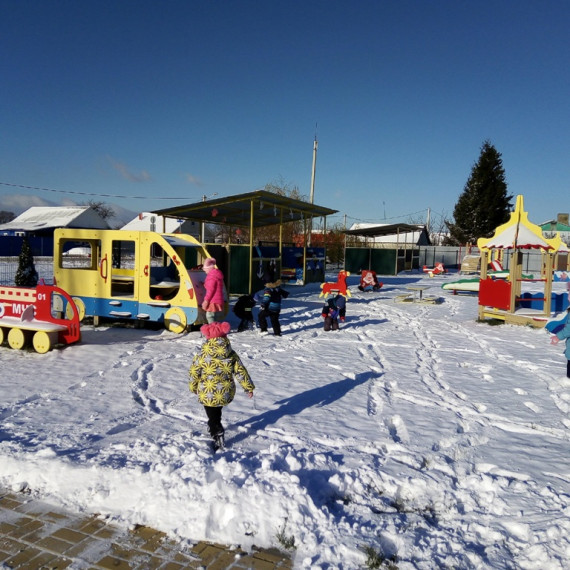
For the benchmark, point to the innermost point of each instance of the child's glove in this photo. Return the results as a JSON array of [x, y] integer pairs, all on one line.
[[324, 315], [554, 339], [342, 319]]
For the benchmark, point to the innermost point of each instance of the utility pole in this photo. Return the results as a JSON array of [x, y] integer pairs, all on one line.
[[315, 147], [203, 224]]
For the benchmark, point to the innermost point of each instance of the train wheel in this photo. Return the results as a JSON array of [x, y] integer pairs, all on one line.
[[42, 342], [175, 320], [16, 338], [80, 309], [2, 337]]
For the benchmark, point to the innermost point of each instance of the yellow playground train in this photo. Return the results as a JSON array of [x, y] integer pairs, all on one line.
[[135, 275]]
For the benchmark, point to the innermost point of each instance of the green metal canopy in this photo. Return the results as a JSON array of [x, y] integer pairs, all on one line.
[[259, 208], [251, 210]]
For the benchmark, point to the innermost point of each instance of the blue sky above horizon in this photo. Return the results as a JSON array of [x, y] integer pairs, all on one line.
[[153, 104]]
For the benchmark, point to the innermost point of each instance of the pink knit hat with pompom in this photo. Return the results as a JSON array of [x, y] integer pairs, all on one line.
[[214, 330], [209, 263]]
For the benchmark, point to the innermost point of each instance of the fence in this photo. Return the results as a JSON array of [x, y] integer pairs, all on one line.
[[451, 257], [9, 267]]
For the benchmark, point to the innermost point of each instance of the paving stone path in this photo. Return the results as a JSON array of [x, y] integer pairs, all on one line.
[[35, 535]]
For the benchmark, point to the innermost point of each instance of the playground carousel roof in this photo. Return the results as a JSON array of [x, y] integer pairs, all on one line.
[[260, 207], [519, 233]]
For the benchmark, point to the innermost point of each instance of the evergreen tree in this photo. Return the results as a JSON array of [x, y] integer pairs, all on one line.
[[484, 203], [26, 276]]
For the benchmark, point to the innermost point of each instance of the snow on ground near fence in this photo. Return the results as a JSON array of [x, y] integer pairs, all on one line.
[[413, 431]]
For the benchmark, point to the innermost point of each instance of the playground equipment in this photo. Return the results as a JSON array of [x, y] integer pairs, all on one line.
[[470, 264], [415, 294], [501, 299], [559, 320], [439, 269], [369, 281], [462, 285], [471, 284], [38, 314], [339, 286], [134, 275]]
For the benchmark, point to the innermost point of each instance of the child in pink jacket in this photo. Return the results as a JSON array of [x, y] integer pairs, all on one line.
[[214, 298]]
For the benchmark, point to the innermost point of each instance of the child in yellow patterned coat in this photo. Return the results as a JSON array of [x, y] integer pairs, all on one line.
[[212, 376]]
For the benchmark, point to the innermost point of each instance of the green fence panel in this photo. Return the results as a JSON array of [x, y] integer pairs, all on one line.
[[383, 261], [239, 275], [356, 259]]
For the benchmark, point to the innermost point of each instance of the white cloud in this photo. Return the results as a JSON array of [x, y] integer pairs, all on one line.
[[125, 172], [193, 180]]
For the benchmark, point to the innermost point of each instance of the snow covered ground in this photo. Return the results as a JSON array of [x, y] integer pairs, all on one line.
[[413, 432]]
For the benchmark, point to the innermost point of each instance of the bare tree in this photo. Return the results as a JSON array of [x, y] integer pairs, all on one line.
[[104, 210], [437, 229], [6, 217]]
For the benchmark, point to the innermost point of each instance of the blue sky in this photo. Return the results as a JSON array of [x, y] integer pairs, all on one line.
[[153, 104]]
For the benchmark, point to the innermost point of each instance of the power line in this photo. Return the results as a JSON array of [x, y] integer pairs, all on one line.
[[183, 198], [92, 193]]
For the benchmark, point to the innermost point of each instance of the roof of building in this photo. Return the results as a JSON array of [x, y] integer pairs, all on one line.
[[39, 218], [554, 226], [389, 231], [261, 208], [147, 221]]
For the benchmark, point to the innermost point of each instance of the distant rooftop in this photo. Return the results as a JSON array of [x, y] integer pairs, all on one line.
[[39, 218]]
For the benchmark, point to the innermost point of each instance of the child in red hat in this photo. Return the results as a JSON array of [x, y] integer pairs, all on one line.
[[212, 376]]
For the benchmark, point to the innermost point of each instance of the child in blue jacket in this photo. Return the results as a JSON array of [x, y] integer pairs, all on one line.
[[562, 334], [333, 310], [271, 307]]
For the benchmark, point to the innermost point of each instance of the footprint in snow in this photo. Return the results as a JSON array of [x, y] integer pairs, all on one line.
[[532, 406], [527, 365], [397, 428]]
